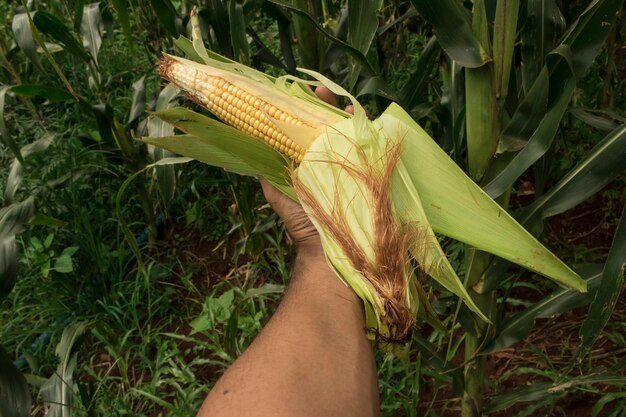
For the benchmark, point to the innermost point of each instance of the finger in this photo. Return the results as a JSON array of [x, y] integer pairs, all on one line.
[[325, 94], [271, 193], [350, 109]]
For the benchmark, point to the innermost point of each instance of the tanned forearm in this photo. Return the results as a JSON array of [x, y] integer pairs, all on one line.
[[312, 358]]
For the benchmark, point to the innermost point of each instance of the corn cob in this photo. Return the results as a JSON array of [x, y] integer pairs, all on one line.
[[244, 110]]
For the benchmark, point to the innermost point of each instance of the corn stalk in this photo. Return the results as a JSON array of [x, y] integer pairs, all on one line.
[[503, 143], [377, 191]]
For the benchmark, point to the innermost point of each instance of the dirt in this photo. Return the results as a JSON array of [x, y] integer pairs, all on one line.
[[553, 341]]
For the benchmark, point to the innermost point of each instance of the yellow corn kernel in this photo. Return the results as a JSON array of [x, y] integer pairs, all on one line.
[[235, 106]]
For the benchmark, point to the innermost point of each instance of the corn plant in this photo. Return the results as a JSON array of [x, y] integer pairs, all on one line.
[[509, 72]]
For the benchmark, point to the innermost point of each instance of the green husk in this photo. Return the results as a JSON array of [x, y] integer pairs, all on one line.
[[342, 184]]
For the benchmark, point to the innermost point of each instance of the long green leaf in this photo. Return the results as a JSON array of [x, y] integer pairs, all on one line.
[[504, 31], [308, 38], [166, 13], [485, 225], [13, 219], [352, 52], [595, 119], [569, 62], [122, 15], [41, 90], [54, 27], [527, 116], [138, 102], [14, 179], [601, 165], [24, 39], [588, 34], [57, 391], [410, 92], [14, 393], [433, 357], [218, 19], [537, 145], [541, 390], [544, 25], [4, 132], [8, 267], [37, 36], [611, 286], [166, 174], [241, 49], [91, 30], [284, 34], [519, 326], [453, 30], [362, 26]]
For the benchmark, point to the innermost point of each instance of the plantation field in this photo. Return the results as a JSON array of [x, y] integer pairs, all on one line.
[[131, 278]]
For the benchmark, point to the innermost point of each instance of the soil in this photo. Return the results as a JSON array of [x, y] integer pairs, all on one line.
[[553, 341]]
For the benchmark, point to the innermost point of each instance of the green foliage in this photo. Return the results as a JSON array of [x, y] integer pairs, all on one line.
[[77, 87]]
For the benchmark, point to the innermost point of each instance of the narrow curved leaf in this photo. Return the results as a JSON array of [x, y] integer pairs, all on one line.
[[504, 31], [57, 391], [13, 219], [14, 394], [594, 118], [54, 27], [166, 174], [612, 283], [601, 165], [138, 102], [409, 95], [14, 179], [8, 266], [544, 25], [537, 145], [219, 21], [24, 39], [166, 12], [241, 49], [308, 39], [284, 34], [527, 116], [433, 357], [362, 26], [541, 390], [44, 91], [353, 52], [453, 29], [588, 34], [560, 301], [4, 132], [91, 29], [124, 18]]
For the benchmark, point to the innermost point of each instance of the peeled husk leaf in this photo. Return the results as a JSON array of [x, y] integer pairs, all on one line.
[[377, 191]]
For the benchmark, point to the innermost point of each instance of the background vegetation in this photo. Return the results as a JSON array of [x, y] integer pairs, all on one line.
[[127, 288]]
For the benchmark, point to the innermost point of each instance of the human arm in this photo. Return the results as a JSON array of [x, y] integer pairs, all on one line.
[[313, 357]]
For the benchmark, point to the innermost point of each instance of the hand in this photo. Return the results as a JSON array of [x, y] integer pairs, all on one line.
[[299, 227]]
